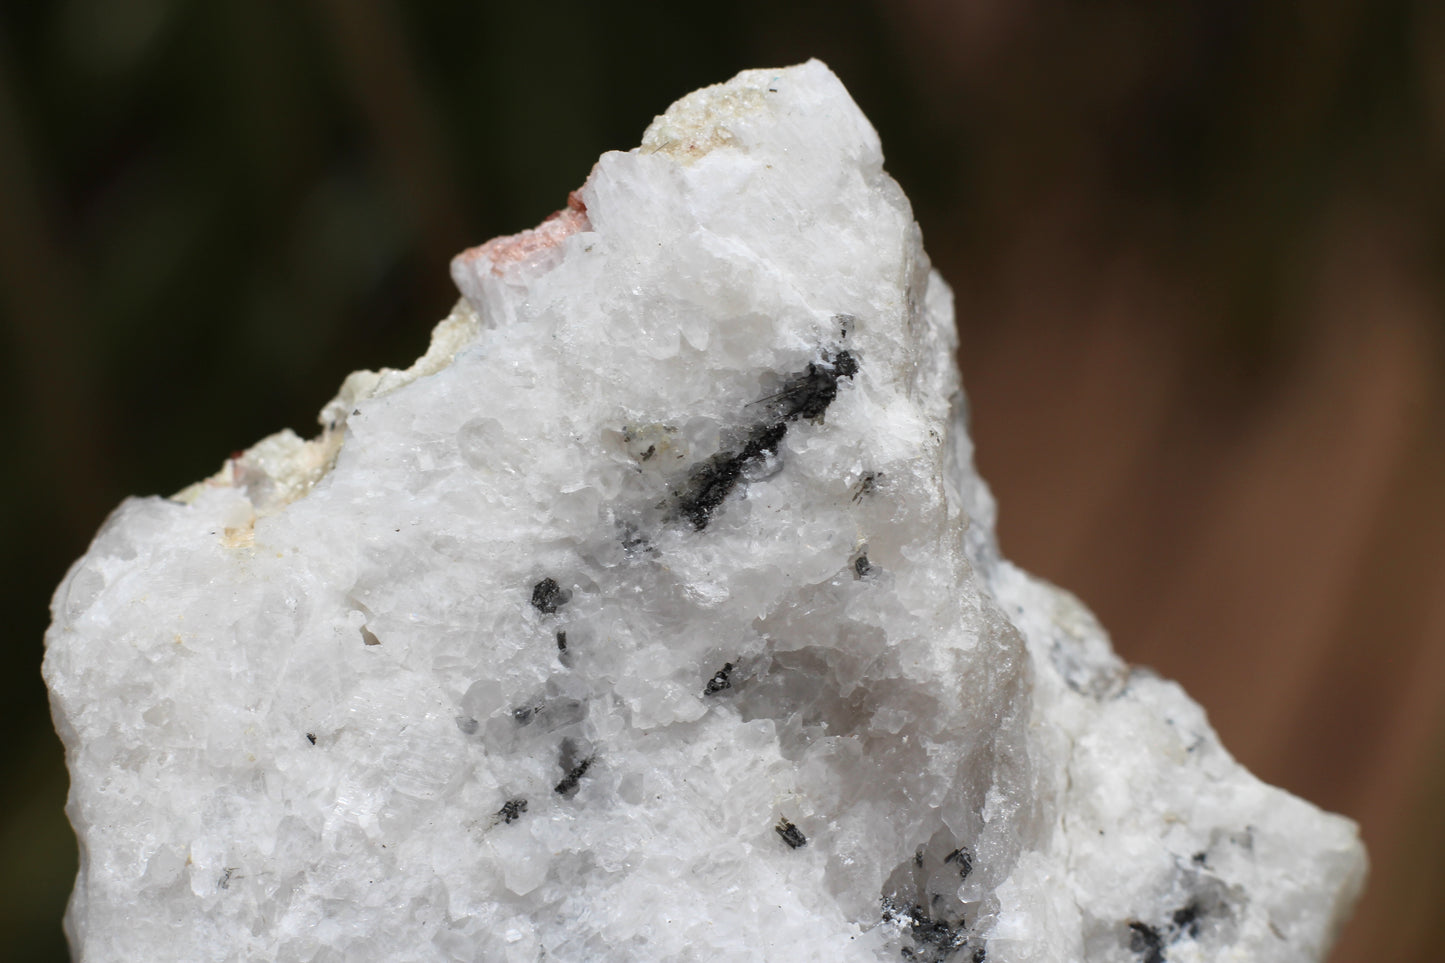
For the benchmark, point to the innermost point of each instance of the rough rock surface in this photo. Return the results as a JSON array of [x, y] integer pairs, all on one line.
[[655, 614]]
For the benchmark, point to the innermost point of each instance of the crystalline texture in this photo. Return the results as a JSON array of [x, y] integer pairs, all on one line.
[[655, 614]]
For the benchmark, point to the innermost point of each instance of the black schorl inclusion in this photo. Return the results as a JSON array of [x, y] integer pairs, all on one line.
[[568, 786], [512, 810], [935, 939], [809, 393], [1146, 941], [1186, 920], [1149, 942], [806, 394], [862, 568], [721, 679], [713, 480], [548, 596], [963, 860], [790, 834]]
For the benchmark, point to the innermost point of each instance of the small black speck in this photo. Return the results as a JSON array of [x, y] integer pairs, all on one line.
[[467, 724], [311, 737], [964, 859], [512, 810], [720, 680], [651, 450], [790, 834], [1186, 920], [918, 856], [1146, 941], [1200, 858], [568, 785], [225, 881], [561, 641], [523, 714], [548, 596], [862, 568], [980, 954]]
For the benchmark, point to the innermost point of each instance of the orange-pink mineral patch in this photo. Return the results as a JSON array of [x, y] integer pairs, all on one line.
[[503, 251]]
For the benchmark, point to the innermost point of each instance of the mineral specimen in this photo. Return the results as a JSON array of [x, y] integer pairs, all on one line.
[[654, 614]]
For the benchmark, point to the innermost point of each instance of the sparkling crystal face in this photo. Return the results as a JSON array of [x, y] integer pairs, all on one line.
[[654, 614]]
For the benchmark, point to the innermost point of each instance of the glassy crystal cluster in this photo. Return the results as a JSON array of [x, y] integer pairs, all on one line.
[[654, 615]]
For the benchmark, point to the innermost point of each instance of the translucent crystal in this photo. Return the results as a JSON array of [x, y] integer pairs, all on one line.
[[655, 614]]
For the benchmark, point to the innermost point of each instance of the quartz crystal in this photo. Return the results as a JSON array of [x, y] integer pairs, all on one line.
[[655, 614]]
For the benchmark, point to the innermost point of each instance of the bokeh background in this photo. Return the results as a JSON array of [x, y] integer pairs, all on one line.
[[1198, 247]]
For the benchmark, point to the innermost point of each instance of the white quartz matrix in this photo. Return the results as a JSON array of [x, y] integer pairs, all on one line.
[[654, 615]]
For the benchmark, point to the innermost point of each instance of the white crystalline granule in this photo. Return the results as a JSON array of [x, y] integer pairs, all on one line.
[[654, 615]]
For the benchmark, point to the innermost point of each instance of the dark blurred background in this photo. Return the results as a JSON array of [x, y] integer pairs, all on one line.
[[1198, 247]]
